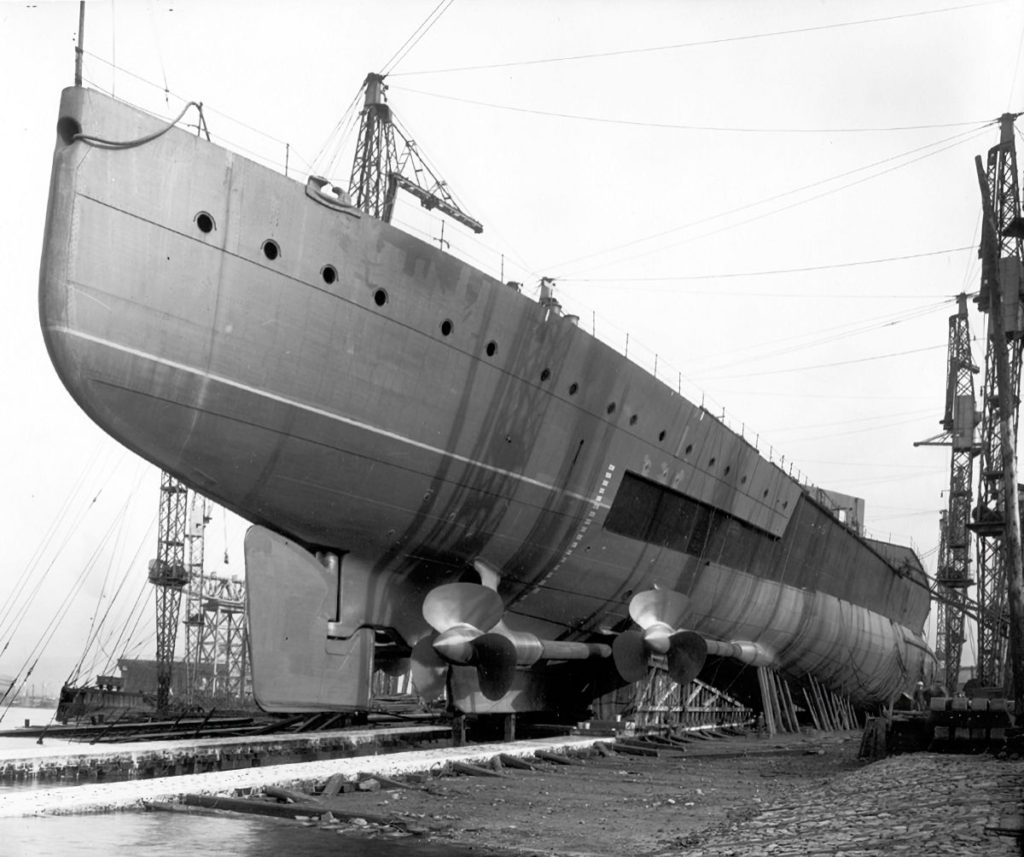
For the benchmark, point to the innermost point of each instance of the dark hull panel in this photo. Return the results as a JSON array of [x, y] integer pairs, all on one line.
[[416, 416]]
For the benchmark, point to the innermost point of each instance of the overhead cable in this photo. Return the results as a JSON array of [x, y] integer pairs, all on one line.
[[701, 43], [739, 274], [417, 34], [675, 126], [945, 143]]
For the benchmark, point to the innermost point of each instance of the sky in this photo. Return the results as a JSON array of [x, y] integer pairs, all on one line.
[[776, 203]]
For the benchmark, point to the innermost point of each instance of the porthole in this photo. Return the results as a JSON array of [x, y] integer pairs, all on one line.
[[661, 435], [765, 493], [329, 273], [380, 297], [743, 480], [270, 249], [611, 408], [633, 419], [711, 463], [785, 504], [492, 348], [689, 449], [573, 388], [204, 222], [545, 374], [726, 471], [446, 327]]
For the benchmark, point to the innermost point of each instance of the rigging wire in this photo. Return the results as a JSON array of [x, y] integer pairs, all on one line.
[[417, 34], [955, 139], [701, 43], [39, 580], [836, 363], [96, 628], [820, 336], [56, 621], [771, 272], [29, 574], [675, 126], [795, 204]]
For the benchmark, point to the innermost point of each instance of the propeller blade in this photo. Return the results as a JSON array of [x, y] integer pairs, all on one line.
[[462, 604], [429, 670], [495, 659], [630, 655], [686, 655], [654, 606]]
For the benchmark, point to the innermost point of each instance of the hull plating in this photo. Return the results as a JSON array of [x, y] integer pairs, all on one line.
[[417, 415]]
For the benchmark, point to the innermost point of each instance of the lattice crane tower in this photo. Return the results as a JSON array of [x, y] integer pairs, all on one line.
[[958, 424], [169, 574], [1001, 267], [387, 159]]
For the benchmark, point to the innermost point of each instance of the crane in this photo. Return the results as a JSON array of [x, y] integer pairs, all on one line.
[[958, 432], [169, 574], [999, 297], [381, 166]]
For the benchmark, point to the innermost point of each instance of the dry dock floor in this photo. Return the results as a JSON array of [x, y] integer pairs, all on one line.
[[742, 797], [739, 797]]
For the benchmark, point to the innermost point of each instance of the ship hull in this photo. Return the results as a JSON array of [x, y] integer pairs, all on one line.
[[357, 391]]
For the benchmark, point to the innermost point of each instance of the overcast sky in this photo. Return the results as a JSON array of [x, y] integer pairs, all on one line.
[[776, 199]]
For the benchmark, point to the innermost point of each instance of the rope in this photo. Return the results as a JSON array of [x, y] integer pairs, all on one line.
[[130, 144]]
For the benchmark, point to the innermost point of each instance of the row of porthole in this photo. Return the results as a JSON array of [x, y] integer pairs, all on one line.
[[272, 251]]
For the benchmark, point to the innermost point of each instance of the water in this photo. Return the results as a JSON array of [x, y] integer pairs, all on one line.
[[167, 834]]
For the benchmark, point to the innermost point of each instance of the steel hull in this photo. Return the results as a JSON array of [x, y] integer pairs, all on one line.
[[347, 415]]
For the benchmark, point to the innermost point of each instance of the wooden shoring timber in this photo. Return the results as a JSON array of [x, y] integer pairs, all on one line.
[[811, 709], [788, 714], [768, 701], [824, 715], [792, 706]]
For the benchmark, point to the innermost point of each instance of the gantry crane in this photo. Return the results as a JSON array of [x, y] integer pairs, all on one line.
[[1000, 298], [381, 166], [958, 424]]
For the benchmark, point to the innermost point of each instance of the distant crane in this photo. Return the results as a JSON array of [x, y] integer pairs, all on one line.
[[958, 424], [169, 574], [1000, 297], [381, 166]]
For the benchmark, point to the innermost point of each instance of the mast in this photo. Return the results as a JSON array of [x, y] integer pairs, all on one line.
[[79, 50]]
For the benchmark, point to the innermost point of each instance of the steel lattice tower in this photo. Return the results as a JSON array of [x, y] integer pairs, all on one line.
[[1001, 260], [386, 159], [958, 423], [376, 157], [169, 574]]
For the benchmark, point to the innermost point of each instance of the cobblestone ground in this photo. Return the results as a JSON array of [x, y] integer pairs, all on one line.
[[917, 804]]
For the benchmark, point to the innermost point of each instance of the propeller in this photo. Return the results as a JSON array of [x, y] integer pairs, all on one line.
[[454, 604], [460, 613], [630, 655], [686, 655], [659, 613], [494, 656]]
